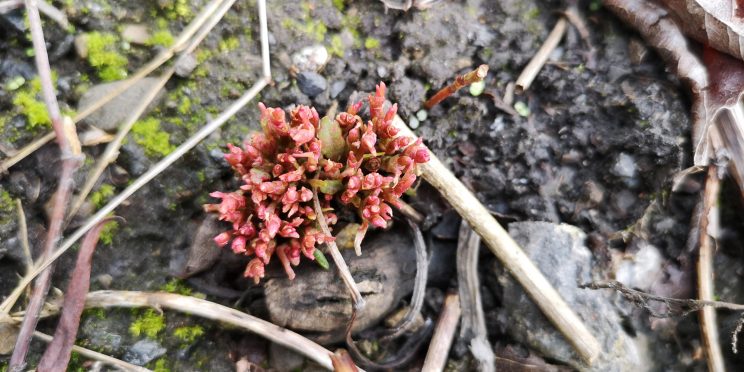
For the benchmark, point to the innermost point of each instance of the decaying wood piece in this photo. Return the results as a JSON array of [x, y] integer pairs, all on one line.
[[444, 333], [707, 230], [509, 253], [473, 327]]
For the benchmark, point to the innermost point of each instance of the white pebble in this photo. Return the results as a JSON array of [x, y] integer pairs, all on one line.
[[413, 123]]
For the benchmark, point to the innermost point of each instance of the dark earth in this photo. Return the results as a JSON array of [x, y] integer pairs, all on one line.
[[596, 144]]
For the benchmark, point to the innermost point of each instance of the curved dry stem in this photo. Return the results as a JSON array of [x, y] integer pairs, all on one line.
[[94, 355], [212, 311], [343, 269]]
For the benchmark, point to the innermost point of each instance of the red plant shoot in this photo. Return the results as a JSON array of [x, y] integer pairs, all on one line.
[[364, 165]]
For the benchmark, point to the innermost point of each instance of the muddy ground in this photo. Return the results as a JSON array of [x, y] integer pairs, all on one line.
[[595, 145]]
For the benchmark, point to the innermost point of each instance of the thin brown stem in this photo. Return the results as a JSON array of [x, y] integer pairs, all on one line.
[[343, 269], [460, 81], [444, 333], [538, 60], [69, 151], [707, 221]]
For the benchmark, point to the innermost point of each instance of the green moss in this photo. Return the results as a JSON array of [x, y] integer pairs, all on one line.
[[339, 4], [201, 176], [337, 46], [155, 141], [229, 44], [102, 195], [160, 366], [162, 38], [150, 323], [7, 206], [29, 104], [185, 106], [312, 28], [371, 43], [108, 232], [532, 14], [176, 286], [97, 313], [104, 56], [188, 334]]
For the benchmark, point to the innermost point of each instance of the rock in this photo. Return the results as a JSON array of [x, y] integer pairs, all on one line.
[[112, 114], [284, 359], [143, 352], [135, 34], [317, 300], [625, 166], [186, 64], [311, 83], [311, 58], [559, 252], [448, 227], [14, 21], [337, 87], [12, 67], [203, 252], [81, 46]]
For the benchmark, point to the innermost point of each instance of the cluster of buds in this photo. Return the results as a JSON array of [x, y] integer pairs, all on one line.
[[345, 160]]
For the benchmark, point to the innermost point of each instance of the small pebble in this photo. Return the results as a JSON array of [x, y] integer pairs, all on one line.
[[311, 58], [382, 72], [477, 88], [413, 123], [311, 83], [337, 87], [422, 115]]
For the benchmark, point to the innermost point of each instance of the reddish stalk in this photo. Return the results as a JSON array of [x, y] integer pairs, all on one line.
[[69, 152], [461, 81]]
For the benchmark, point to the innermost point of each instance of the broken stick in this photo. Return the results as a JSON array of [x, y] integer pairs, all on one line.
[[509, 253]]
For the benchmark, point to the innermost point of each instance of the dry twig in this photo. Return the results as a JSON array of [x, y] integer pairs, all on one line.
[[69, 153], [112, 149], [706, 230], [215, 312], [509, 253], [96, 355], [179, 44], [473, 328], [419, 287], [460, 82], [444, 333], [538, 60], [343, 269], [57, 354], [156, 169]]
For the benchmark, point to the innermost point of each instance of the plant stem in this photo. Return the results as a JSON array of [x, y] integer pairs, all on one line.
[[509, 253], [343, 269], [69, 153], [444, 333], [538, 60], [460, 81]]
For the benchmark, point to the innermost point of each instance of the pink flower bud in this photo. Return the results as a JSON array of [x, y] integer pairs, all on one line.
[[238, 244], [302, 133], [354, 108], [222, 239], [404, 184], [235, 156], [368, 141], [281, 251], [255, 270]]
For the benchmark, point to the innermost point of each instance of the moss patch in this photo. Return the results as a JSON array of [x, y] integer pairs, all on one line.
[[160, 365], [29, 104], [188, 334], [102, 195], [150, 323], [108, 232], [161, 38], [371, 43], [176, 286], [155, 141], [104, 56]]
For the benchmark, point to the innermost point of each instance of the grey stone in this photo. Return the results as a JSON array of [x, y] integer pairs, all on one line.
[[113, 113], [186, 64], [143, 352], [311, 83], [311, 58], [560, 254], [284, 359], [625, 166], [337, 87]]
